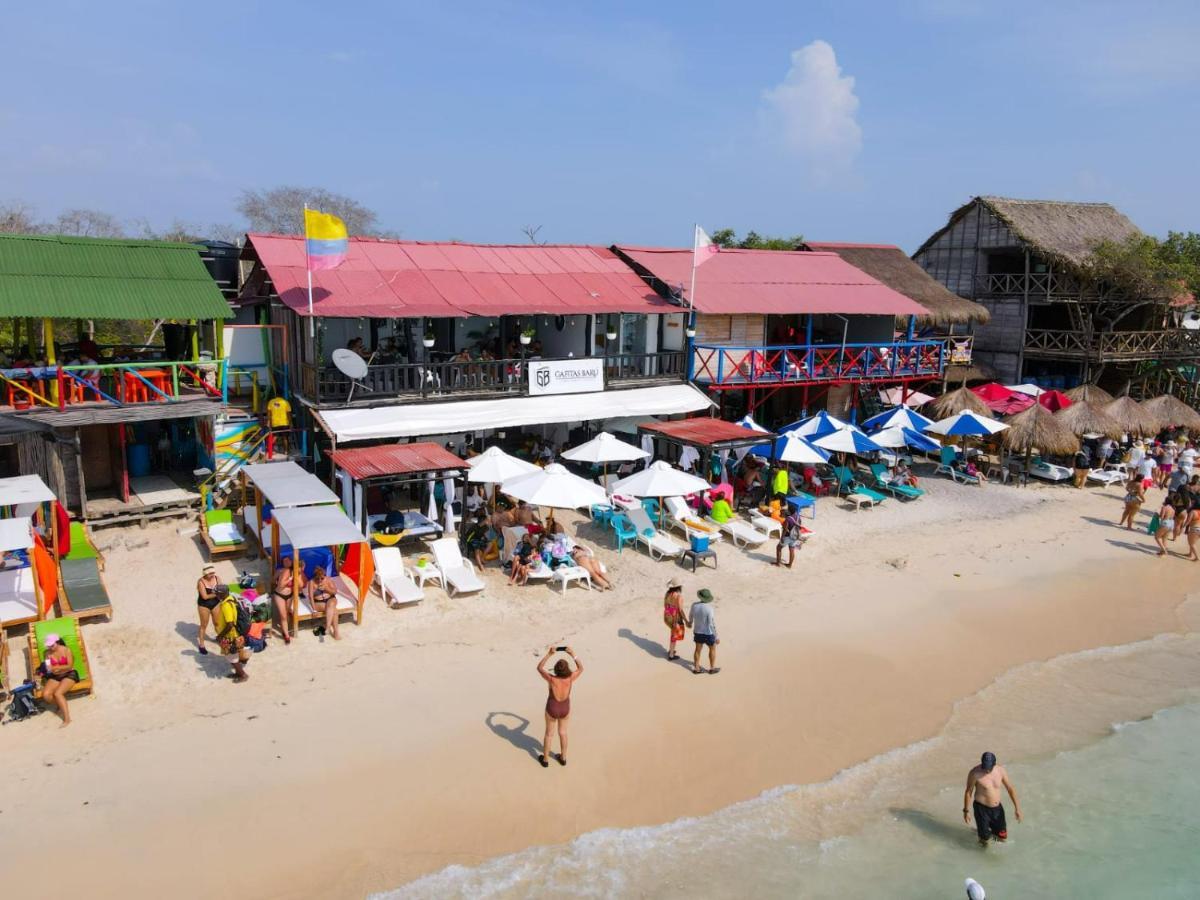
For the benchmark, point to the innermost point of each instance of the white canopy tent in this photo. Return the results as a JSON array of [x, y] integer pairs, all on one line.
[[23, 489], [556, 488], [16, 534], [415, 420]]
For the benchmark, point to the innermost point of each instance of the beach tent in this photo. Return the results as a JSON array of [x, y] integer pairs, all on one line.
[[29, 577], [28, 495], [900, 416], [280, 485], [1001, 400], [324, 529]]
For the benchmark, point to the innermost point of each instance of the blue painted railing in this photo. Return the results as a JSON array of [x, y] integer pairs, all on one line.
[[718, 366]]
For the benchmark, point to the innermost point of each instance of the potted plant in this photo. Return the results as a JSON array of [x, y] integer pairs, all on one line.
[[527, 336], [690, 330], [429, 340], [611, 334]]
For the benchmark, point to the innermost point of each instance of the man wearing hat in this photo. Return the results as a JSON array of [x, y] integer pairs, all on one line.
[[703, 623], [982, 798]]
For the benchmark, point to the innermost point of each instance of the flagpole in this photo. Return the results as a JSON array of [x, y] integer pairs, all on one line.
[[308, 270]]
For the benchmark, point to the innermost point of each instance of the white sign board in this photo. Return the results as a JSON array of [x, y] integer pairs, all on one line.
[[565, 376]]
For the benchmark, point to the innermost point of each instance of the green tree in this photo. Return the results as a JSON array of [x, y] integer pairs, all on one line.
[[727, 237], [1147, 266]]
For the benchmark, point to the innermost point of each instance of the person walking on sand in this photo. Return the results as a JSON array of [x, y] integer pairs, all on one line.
[[1135, 496], [982, 798], [673, 616], [558, 702], [704, 631], [1083, 465], [791, 536], [206, 602], [1166, 520]]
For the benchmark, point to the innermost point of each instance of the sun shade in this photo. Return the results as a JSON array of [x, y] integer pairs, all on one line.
[[299, 490], [24, 489], [15, 534], [316, 526]]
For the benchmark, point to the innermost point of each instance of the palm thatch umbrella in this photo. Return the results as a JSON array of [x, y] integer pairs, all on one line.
[[961, 400], [1090, 393], [1084, 418], [1038, 427], [1169, 410], [1133, 416]]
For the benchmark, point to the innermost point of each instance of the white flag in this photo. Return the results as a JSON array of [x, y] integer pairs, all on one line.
[[704, 249]]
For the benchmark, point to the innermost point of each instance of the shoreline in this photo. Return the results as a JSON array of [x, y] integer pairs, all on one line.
[[362, 774]]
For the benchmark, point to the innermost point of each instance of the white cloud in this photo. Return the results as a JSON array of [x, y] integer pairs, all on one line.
[[813, 111]]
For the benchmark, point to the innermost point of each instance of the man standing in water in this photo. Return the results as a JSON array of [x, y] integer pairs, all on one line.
[[983, 798]]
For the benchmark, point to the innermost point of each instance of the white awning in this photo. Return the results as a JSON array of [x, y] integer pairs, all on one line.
[[24, 489], [316, 526], [261, 473], [417, 420], [16, 534], [285, 484]]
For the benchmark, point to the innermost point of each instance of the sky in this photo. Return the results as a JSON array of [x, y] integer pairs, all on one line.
[[606, 122]]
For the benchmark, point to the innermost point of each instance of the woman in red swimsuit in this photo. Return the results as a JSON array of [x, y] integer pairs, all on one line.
[[558, 703], [673, 615]]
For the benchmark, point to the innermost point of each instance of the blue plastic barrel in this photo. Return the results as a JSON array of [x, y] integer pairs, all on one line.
[[139, 460]]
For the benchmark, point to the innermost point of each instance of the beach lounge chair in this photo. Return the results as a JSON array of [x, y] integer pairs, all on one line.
[[768, 526], [882, 482], [221, 536], [741, 532], [346, 599], [946, 467], [848, 484], [1106, 477], [458, 574], [513, 534], [657, 543], [623, 530], [4, 676], [396, 584], [84, 594], [1039, 468], [67, 629], [682, 517]]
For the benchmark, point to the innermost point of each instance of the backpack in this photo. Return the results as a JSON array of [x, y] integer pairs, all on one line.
[[23, 705], [243, 619]]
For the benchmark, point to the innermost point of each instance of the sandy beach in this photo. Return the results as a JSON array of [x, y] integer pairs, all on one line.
[[351, 767]]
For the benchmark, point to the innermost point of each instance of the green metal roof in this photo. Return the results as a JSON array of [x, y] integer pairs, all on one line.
[[48, 276]]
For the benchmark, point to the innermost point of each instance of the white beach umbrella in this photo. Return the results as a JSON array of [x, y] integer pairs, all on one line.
[[798, 450], [604, 448], [554, 487], [661, 479], [897, 436], [494, 466]]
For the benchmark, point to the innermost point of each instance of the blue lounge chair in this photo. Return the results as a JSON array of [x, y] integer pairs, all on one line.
[[946, 467], [847, 484], [907, 491]]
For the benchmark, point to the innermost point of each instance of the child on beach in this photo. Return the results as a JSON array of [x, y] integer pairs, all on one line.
[[673, 615]]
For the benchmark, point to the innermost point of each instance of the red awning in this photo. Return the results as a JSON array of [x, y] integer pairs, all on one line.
[[1002, 400], [411, 279], [705, 432], [779, 282], [395, 459]]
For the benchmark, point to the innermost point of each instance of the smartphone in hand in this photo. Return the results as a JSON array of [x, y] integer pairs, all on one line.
[[560, 649]]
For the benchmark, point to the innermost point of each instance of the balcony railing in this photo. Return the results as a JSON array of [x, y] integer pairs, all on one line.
[[111, 384], [717, 366], [485, 377], [1035, 285], [1175, 343]]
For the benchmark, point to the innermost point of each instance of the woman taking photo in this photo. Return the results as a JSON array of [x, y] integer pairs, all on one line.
[[558, 701]]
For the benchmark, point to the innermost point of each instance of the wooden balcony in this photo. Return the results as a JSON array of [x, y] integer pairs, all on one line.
[[478, 379], [720, 367], [75, 389], [1114, 346], [1037, 286]]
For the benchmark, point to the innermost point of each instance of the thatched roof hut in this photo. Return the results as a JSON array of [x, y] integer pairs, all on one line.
[[1091, 393], [1132, 416], [892, 266], [1040, 428], [962, 400], [1084, 418], [1062, 231], [1170, 410]]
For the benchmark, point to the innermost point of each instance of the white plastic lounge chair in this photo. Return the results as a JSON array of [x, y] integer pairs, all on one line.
[[657, 544], [742, 533], [765, 524], [1049, 472], [683, 518], [458, 574], [1106, 477], [396, 584]]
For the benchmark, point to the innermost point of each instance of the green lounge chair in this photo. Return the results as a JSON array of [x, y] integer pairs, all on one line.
[[847, 485], [221, 536], [67, 629], [84, 593], [900, 490], [81, 543]]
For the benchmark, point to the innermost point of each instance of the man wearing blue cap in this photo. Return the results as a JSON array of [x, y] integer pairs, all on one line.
[[983, 799]]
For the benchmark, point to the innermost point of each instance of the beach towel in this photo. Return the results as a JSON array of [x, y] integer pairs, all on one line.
[[1155, 521], [63, 522], [46, 573]]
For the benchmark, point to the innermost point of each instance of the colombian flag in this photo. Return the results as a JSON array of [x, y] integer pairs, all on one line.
[[326, 240]]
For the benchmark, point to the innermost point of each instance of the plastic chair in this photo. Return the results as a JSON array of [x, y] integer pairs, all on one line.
[[623, 531], [650, 505]]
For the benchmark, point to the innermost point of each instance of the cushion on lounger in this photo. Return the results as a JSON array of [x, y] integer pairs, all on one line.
[[81, 580], [68, 630], [81, 547], [221, 530]]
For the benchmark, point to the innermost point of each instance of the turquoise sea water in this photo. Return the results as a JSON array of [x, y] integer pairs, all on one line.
[[1102, 747]]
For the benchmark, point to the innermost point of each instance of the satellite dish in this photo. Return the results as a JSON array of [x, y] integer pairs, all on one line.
[[1191, 321], [353, 367]]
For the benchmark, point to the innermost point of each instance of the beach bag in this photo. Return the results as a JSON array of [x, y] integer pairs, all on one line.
[[23, 705], [244, 619], [1155, 521]]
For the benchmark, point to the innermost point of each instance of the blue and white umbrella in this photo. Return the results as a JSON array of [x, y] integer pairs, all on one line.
[[900, 416], [966, 424], [847, 440], [796, 449], [817, 426], [898, 436]]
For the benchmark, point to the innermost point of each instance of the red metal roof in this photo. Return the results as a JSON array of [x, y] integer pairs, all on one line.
[[779, 282], [409, 279], [705, 432], [395, 459]]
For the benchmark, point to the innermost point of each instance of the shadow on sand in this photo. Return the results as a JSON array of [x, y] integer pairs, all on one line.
[[657, 650], [213, 665], [514, 733], [1140, 548]]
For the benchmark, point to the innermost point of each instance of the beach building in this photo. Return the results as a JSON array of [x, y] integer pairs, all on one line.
[[1027, 262], [461, 339], [779, 333], [113, 372]]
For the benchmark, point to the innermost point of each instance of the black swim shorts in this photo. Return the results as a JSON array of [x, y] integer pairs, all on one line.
[[704, 638], [989, 822]]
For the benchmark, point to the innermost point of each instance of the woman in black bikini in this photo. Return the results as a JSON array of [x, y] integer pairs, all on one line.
[[322, 594], [282, 592], [206, 602], [558, 703]]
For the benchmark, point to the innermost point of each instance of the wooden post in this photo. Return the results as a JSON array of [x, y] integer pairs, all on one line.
[[362, 577], [295, 584], [124, 463], [51, 360], [258, 537]]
